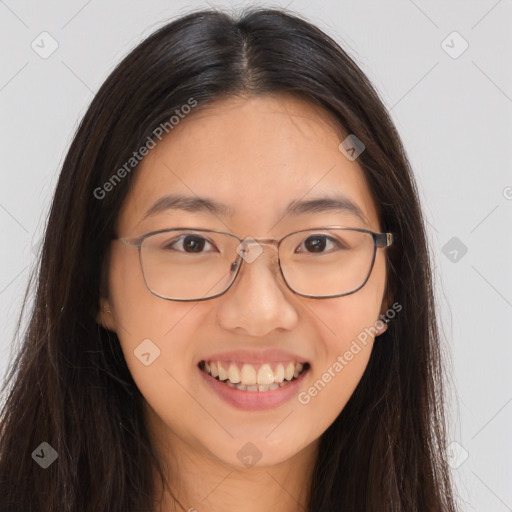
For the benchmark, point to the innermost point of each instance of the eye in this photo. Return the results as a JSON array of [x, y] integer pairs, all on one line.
[[192, 244], [317, 243]]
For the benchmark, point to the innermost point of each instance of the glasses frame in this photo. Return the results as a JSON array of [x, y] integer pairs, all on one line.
[[383, 240]]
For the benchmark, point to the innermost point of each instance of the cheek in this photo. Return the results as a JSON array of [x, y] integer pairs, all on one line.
[[129, 296], [138, 313], [347, 326], [342, 320], [341, 360], [152, 331]]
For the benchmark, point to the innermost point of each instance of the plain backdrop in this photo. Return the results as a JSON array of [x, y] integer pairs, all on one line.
[[443, 71]]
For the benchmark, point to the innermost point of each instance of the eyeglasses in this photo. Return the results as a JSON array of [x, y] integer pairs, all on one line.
[[189, 264]]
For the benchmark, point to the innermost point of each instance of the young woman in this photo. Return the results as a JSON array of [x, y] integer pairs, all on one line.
[[234, 306]]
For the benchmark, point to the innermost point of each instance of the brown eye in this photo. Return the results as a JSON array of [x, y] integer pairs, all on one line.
[[190, 244], [318, 243]]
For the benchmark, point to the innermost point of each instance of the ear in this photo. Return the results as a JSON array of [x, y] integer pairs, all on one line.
[[104, 316], [381, 325]]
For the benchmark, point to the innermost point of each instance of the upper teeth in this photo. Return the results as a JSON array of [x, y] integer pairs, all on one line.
[[249, 375]]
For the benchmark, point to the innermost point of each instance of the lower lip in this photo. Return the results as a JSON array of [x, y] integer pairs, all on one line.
[[254, 400]]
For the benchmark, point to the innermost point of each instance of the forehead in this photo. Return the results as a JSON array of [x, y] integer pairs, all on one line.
[[256, 156]]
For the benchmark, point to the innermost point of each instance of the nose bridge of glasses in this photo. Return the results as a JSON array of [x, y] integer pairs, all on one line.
[[261, 241], [248, 254]]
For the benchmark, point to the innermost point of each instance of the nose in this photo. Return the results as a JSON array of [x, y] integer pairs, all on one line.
[[259, 301]]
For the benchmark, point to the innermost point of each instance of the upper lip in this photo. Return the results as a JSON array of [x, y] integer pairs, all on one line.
[[273, 355]]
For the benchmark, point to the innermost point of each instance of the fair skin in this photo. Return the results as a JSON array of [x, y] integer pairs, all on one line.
[[255, 154]]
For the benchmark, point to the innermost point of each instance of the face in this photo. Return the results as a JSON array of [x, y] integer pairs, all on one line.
[[255, 155]]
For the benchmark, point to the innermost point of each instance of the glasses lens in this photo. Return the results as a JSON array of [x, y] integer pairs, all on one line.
[[191, 264], [327, 262], [188, 264]]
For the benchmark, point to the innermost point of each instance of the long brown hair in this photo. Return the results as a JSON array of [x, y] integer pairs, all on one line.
[[69, 385]]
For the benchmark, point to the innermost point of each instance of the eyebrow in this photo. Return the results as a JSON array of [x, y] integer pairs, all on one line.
[[338, 203]]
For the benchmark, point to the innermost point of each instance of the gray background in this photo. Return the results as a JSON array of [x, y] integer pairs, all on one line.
[[452, 111]]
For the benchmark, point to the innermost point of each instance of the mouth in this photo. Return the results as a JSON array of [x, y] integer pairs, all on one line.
[[261, 377]]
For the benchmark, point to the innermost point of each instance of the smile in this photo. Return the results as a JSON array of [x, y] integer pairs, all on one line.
[[254, 377]]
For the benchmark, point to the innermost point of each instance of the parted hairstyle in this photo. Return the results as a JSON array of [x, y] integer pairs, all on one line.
[[69, 384]]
